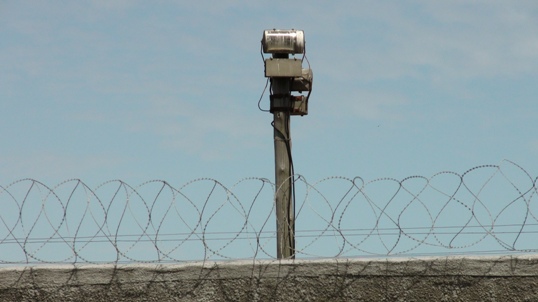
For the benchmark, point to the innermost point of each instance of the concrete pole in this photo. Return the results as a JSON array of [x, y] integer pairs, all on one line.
[[283, 179]]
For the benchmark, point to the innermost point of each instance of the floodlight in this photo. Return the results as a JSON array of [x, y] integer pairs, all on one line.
[[283, 41]]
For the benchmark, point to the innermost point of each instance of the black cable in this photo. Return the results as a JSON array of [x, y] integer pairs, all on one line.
[[260, 100], [304, 55], [292, 184], [311, 80], [291, 228], [286, 136], [266, 83]]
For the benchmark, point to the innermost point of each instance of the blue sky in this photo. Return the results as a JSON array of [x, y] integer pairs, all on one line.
[[135, 90], [139, 90]]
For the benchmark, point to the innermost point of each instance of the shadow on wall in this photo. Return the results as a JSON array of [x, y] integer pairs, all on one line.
[[423, 279]]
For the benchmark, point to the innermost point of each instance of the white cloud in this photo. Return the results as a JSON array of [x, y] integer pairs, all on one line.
[[52, 165], [190, 74], [372, 105], [213, 132], [378, 40]]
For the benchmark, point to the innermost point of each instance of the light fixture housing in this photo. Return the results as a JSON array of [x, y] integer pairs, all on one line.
[[289, 41], [282, 68], [293, 104], [304, 82]]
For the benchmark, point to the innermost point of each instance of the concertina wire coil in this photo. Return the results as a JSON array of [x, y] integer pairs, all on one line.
[[487, 209]]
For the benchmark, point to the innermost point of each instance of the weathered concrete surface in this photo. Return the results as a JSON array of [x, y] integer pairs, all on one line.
[[417, 279]]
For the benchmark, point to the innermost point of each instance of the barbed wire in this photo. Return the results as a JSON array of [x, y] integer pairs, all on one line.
[[487, 209]]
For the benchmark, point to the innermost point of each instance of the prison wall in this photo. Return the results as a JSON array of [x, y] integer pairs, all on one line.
[[508, 278]]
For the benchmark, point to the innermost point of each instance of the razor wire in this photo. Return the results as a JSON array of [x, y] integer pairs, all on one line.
[[487, 209]]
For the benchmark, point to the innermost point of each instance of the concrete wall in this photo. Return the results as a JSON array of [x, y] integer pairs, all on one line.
[[417, 279]]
